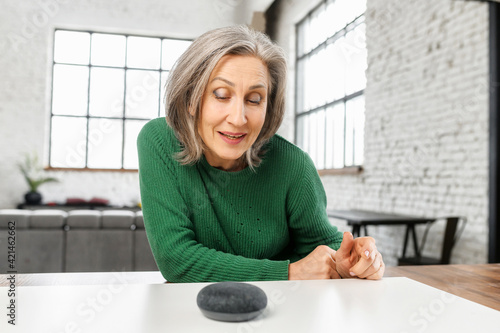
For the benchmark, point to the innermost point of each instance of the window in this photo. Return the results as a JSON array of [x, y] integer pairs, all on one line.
[[330, 82], [105, 87]]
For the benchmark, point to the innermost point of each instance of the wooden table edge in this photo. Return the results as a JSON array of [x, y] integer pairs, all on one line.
[[479, 283]]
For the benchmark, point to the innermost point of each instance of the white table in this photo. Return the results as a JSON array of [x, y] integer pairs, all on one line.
[[389, 305]]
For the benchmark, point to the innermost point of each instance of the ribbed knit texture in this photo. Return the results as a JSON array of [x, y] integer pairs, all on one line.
[[205, 224]]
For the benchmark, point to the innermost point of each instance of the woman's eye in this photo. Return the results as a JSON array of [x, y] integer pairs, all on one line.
[[221, 94], [254, 99]]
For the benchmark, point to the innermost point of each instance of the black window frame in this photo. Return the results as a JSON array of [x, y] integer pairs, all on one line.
[[346, 169], [88, 117]]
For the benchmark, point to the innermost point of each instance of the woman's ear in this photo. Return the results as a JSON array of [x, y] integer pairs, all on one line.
[[191, 110]]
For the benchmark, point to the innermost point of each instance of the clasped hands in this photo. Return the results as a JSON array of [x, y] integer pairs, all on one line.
[[355, 258]]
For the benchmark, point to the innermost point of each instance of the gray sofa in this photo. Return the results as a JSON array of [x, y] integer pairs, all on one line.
[[50, 240]]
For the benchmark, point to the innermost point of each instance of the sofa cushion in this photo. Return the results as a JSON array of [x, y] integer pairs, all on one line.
[[20, 216], [117, 219], [86, 219], [48, 218], [139, 219]]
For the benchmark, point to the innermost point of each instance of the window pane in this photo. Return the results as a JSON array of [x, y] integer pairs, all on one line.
[[143, 52], [355, 54], [335, 71], [349, 134], [352, 8], [68, 142], [336, 19], [164, 77], [316, 82], [299, 136], [70, 90], [132, 129], [342, 12], [317, 28], [142, 94], [72, 47], [313, 130], [335, 137], [307, 35], [338, 135], [320, 140], [312, 28], [171, 51], [303, 132], [105, 143], [319, 79], [356, 107], [108, 50], [300, 88], [308, 83], [329, 133], [106, 92]]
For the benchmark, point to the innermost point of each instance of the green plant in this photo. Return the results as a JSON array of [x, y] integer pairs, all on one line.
[[32, 172]]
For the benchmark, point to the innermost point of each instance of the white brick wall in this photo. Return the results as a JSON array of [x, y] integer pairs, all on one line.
[[26, 30], [426, 135]]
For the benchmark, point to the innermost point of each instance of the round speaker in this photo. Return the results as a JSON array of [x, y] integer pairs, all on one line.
[[231, 301]]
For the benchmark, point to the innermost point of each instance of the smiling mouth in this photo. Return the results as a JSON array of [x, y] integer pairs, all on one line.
[[232, 137]]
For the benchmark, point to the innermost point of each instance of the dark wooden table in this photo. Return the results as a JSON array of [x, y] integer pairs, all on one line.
[[364, 218], [477, 283]]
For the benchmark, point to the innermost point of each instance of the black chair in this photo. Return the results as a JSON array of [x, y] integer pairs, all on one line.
[[451, 237]]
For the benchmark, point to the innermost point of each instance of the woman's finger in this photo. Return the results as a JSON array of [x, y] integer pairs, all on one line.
[[363, 263], [373, 268], [379, 273], [364, 246]]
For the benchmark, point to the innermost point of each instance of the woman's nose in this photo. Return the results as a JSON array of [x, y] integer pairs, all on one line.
[[237, 115]]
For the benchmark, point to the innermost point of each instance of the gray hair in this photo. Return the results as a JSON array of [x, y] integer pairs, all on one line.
[[189, 78]]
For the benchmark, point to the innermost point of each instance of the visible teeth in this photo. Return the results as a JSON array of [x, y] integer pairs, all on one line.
[[232, 136]]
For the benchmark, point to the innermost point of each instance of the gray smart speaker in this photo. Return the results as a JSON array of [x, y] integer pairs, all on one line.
[[231, 301]]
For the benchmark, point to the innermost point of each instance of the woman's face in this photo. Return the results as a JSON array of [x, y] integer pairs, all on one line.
[[233, 109]]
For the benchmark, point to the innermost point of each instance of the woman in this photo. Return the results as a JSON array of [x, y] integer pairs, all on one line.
[[223, 197]]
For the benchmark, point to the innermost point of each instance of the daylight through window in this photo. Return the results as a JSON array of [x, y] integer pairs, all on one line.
[[330, 82], [105, 88]]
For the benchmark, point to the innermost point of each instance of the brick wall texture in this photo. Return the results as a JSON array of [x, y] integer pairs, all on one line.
[[426, 134]]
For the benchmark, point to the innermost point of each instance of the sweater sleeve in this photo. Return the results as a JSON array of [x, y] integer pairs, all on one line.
[[307, 217], [179, 256]]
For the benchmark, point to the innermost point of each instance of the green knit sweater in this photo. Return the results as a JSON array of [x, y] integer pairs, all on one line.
[[205, 224]]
